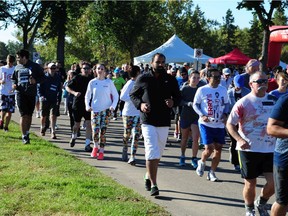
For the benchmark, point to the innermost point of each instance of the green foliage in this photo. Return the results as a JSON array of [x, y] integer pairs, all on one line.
[[4, 51]]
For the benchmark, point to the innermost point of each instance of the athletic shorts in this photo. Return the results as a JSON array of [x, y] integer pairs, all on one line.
[[155, 139], [253, 164], [47, 106], [7, 103], [26, 104], [212, 135], [186, 123], [281, 184], [81, 113]]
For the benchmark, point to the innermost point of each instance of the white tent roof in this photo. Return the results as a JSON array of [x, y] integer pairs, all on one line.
[[175, 50]]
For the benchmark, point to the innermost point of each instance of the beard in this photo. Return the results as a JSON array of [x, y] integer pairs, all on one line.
[[160, 70]]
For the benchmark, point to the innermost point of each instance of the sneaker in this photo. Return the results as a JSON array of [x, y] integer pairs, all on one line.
[[124, 154], [212, 177], [37, 114], [6, 129], [100, 156], [56, 127], [250, 213], [179, 137], [53, 136], [154, 191], [237, 168], [115, 118], [132, 161], [147, 184], [194, 162], [25, 140], [88, 148], [42, 131], [78, 133], [200, 168], [261, 208], [182, 161], [72, 142], [94, 152], [175, 135]]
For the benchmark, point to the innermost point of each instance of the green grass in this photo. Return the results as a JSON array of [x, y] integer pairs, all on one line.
[[41, 179]]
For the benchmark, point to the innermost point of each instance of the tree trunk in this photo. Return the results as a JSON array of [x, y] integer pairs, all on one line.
[[265, 45], [61, 35]]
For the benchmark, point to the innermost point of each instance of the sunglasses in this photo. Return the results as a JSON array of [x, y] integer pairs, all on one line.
[[53, 68], [260, 81], [85, 68]]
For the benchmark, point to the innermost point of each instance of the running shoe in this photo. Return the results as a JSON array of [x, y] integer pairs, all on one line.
[[154, 191], [72, 142], [261, 208], [100, 156], [132, 161], [147, 184], [212, 177], [250, 213], [42, 131], [194, 162], [200, 168], [88, 148], [182, 161], [94, 152], [25, 140], [53, 136]]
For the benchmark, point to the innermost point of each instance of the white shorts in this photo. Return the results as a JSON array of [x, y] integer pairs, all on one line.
[[155, 139]]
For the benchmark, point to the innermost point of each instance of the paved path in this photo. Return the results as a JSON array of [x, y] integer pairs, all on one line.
[[182, 192]]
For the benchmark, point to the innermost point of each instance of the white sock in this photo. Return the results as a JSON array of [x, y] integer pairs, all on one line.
[[87, 142], [96, 145], [74, 135], [101, 150]]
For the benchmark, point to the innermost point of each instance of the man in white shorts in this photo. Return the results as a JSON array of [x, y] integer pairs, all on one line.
[[154, 94]]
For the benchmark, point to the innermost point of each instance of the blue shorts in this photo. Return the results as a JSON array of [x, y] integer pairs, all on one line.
[[212, 135]]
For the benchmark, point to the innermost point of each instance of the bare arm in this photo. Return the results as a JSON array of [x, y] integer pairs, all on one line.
[[233, 131], [276, 128]]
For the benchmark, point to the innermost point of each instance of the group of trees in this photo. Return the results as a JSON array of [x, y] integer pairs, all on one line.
[[114, 32]]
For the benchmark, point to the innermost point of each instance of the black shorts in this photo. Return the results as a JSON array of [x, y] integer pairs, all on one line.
[[253, 164], [47, 106], [7, 103], [281, 184], [26, 104], [78, 114]]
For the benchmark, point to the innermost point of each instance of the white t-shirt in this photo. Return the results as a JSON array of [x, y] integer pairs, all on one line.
[[129, 108], [103, 94], [252, 114], [212, 102], [6, 75]]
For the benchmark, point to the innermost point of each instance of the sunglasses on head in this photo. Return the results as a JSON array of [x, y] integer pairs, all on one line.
[[260, 81]]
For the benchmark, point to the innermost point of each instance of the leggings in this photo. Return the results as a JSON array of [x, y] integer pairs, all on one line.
[[131, 124]]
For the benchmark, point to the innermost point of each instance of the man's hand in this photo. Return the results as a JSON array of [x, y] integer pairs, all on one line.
[[32, 81], [77, 94], [243, 144], [145, 108], [169, 103]]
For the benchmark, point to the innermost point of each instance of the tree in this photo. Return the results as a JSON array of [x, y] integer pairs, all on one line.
[[13, 47], [228, 30], [265, 18], [4, 51], [26, 15], [126, 23]]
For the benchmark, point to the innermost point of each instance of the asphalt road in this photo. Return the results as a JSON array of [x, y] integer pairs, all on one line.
[[182, 192]]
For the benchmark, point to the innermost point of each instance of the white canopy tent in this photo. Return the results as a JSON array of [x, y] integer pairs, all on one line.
[[175, 50]]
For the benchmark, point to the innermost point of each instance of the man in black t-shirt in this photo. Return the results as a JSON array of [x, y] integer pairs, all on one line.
[[25, 78], [78, 86]]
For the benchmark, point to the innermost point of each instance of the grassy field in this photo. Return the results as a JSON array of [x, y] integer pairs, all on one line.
[[41, 179]]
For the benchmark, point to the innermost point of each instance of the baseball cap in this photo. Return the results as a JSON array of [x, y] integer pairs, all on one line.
[[117, 70], [186, 64], [51, 64], [226, 71], [238, 81]]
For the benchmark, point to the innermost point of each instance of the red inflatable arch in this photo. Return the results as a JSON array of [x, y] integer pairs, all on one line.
[[278, 36]]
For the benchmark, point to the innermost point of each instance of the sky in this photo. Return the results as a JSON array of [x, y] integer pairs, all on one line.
[[213, 9]]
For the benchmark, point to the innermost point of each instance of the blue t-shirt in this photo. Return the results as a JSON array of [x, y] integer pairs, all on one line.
[[281, 148], [181, 81], [277, 94]]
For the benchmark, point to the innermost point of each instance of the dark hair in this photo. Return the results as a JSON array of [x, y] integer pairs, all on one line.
[[210, 71], [194, 72], [158, 54], [11, 58], [23, 53], [135, 70]]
